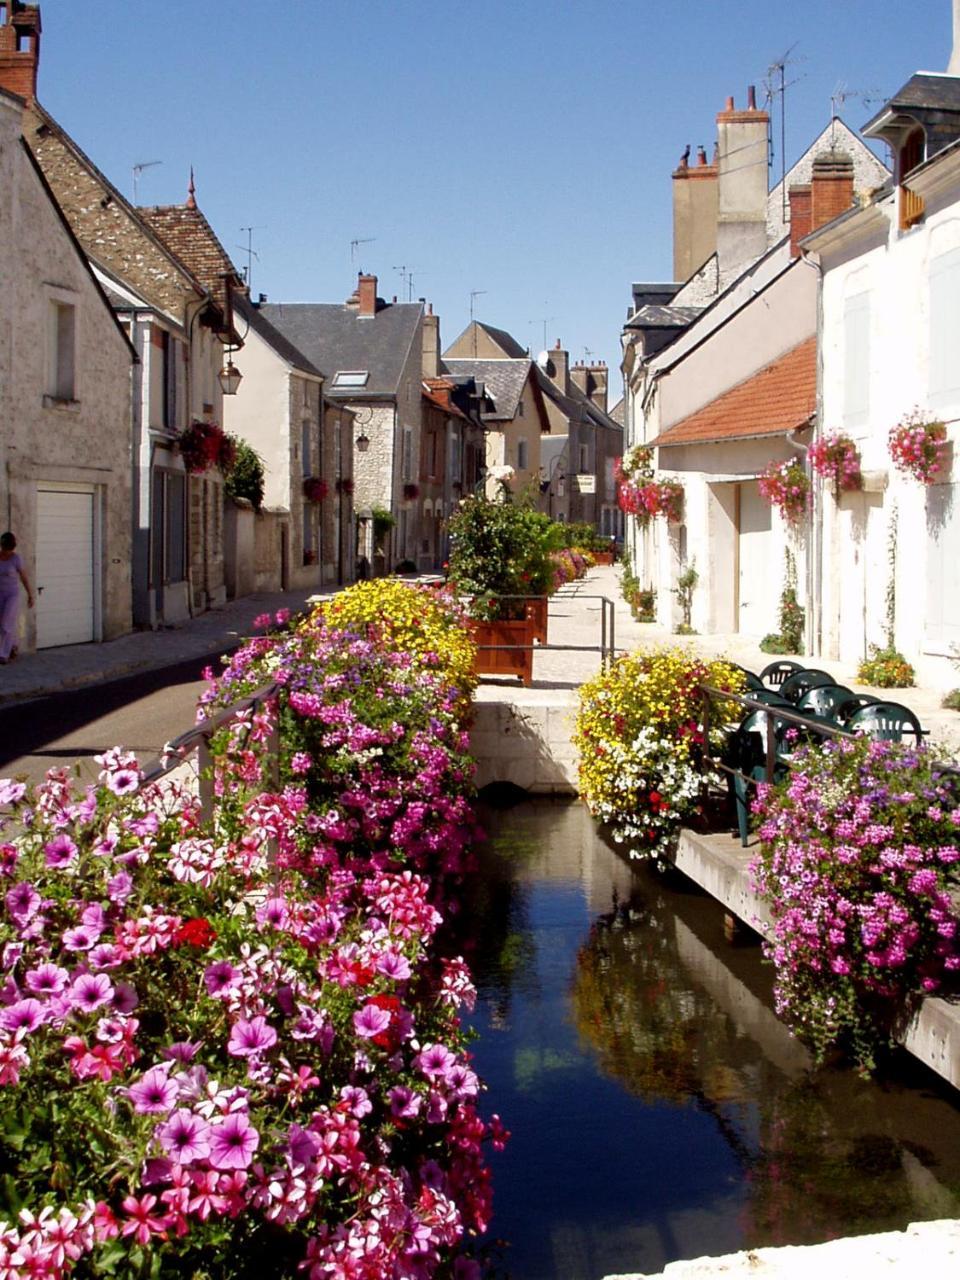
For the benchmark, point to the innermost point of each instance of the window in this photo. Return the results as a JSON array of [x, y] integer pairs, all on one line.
[[520, 409], [944, 330], [911, 154], [170, 350], [351, 378], [63, 364], [521, 455], [406, 461], [856, 336]]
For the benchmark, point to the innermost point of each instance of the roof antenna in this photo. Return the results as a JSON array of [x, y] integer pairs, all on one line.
[[355, 245], [249, 250], [780, 86], [137, 170]]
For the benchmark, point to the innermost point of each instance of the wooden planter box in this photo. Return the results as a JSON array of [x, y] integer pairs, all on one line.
[[602, 557], [496, 661], [537, 609]]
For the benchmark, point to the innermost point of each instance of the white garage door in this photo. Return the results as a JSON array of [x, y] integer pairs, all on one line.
[[65, 567]]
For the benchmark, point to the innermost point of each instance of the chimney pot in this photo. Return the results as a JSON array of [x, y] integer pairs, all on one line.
[[729, 106], [751, 97], [701, 156]]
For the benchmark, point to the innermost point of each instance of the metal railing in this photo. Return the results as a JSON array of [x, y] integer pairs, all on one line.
[[606, 648]]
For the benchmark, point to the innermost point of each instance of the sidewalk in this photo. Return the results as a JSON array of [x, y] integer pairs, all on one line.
[[574, 619], [34, 675]]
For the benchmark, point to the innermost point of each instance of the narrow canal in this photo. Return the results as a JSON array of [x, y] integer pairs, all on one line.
[[658, 1108]]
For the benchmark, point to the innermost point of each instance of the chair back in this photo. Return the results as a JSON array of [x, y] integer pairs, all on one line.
[[774, 673], [825, 700], [852, 705], [886, 720], [795, 686], [752, 679]]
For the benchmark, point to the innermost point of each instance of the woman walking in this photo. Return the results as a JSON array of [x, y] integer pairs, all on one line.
[[11, 569]]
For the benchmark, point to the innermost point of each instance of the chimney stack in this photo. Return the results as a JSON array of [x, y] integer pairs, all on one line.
[[431, 343], [742, 138], [801, 215], [694, 214], [560, 361], [592, 381], [367, 295], [19, 48]]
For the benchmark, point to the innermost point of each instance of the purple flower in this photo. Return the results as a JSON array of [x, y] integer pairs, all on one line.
[[125, 998], [10, 791], [185, 1136], [434, 1060], [155, 1091], [404, 1103], [90, 991], [47, 979], [123, 782], [233, 1142], [119, 887], [23, 902], [82, 938], [220, 977], [273, 912], [103, 956], [25, 1015], [183, 1051], [370, 1021], [250, 1037], [394, 964], [60, 852]]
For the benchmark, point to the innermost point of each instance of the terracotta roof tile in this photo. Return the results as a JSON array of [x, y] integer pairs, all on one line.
[[781, 397], [189, 235]]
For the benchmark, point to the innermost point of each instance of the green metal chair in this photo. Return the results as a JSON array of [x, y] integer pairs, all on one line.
[[753, 680], [889, 721], [825, 700], [795, 686], [852, 706], [774, 673]]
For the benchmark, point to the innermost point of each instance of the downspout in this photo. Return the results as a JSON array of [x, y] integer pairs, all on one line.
[[815, 559]]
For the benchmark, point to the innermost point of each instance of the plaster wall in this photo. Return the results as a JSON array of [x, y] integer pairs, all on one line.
[[84, 440]]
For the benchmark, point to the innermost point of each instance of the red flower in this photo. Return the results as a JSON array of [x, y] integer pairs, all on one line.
[[197, 932]]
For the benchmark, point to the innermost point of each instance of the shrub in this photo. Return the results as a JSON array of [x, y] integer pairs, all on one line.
[[245, 478], [951, 700], [501, 548], [886, 669], [383, 522], [639, 738], [857, 857]]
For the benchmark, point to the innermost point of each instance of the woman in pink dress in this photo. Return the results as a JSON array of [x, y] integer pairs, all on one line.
[[12, 573]]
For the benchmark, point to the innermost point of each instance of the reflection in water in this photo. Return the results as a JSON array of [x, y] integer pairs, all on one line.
[[658, 1108]]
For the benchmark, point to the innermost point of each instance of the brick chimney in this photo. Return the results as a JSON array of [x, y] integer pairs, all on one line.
[[801, 215], [832, 187], [560, 363], [19, 48], [694, 214], [431, 343], [367, 294], [742, 141]]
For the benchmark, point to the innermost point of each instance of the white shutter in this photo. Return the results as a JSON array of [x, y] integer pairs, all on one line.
[[942, 629], [945, 330], [856, 388]]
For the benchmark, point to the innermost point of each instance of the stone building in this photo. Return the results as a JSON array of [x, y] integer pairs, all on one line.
[[65, 446]]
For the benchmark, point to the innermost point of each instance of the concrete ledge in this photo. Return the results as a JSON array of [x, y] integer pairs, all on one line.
[[527, 744], [924, 1249]]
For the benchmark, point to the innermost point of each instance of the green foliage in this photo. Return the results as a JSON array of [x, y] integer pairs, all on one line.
[[951, 700], [686, 585], [584, 536], [642, 600], [246, 477], [383, 522], [501, 549], [789, 639]]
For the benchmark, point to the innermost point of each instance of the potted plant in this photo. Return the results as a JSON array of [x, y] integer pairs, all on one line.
[[411, 491], [345, 486], [918, 447], [203, 445], [315, 488], [836, 458], [786, 486]]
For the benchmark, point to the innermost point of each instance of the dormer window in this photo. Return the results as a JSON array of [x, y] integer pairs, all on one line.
[[351, 378], [910, 155]]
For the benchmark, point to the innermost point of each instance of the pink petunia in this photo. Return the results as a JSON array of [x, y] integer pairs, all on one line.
[[250, 1037], [233, 1142], [370, 1021], [154, 1092], [60, 852], [220, 978], [47, 979], [24, 1015], [123, 782], [185, 1136], [89, 991]]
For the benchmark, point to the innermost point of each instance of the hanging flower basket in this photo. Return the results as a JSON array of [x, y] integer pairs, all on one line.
[[655, 498], [836, 458], [345, 486], [315, 489], [411, 492], [203, 445], [786, 486], [917, 448]]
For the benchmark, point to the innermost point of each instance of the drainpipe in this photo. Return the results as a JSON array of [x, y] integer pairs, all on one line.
[[815, 559]]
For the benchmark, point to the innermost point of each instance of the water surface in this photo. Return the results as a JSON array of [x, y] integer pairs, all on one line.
[[659, 1110]]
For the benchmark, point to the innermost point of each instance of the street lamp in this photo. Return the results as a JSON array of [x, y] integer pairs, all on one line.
[[229, 378], [362, 442]]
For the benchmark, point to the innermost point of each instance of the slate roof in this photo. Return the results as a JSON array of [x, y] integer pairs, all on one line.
[[185, 230], [653, 317], [926, 89], [246, 312], [504, 381], [618, 413], [333, 337], [779, 398]]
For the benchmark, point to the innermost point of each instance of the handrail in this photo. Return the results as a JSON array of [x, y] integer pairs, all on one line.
[[606, 647]]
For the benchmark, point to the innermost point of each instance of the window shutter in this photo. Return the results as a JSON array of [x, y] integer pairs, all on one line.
[[856, 390], [945, 330]]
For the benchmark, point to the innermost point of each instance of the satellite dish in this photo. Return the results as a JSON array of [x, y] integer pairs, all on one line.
[[543, 362]]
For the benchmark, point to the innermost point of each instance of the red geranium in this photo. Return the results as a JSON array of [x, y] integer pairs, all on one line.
[[196, 932]]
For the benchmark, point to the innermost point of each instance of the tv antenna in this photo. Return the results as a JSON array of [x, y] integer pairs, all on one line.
[[842, 94], [137, 170], [355, 245], [777, 83], [249, 250], [406, 275], [474, 295]]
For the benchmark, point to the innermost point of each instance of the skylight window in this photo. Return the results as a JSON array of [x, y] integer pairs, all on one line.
[[351, 378]]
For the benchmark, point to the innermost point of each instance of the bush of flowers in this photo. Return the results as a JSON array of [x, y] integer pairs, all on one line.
[[203, 445], [835, 458], [501, 548], [315, 488], [786, 486], [917, 447], [886, 668], [639, 738], [858, 856], [569, 564], [234, 1050], [655, 498]]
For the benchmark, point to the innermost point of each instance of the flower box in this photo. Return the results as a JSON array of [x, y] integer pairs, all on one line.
[[602, 557], [497, 654], [538, 612], [314, 488]]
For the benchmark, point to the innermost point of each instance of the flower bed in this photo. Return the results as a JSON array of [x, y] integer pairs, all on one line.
[[639, 739], [235, 1050], [858, 855]]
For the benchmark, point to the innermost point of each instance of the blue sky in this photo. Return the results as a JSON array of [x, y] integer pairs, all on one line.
[[523, 149]]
